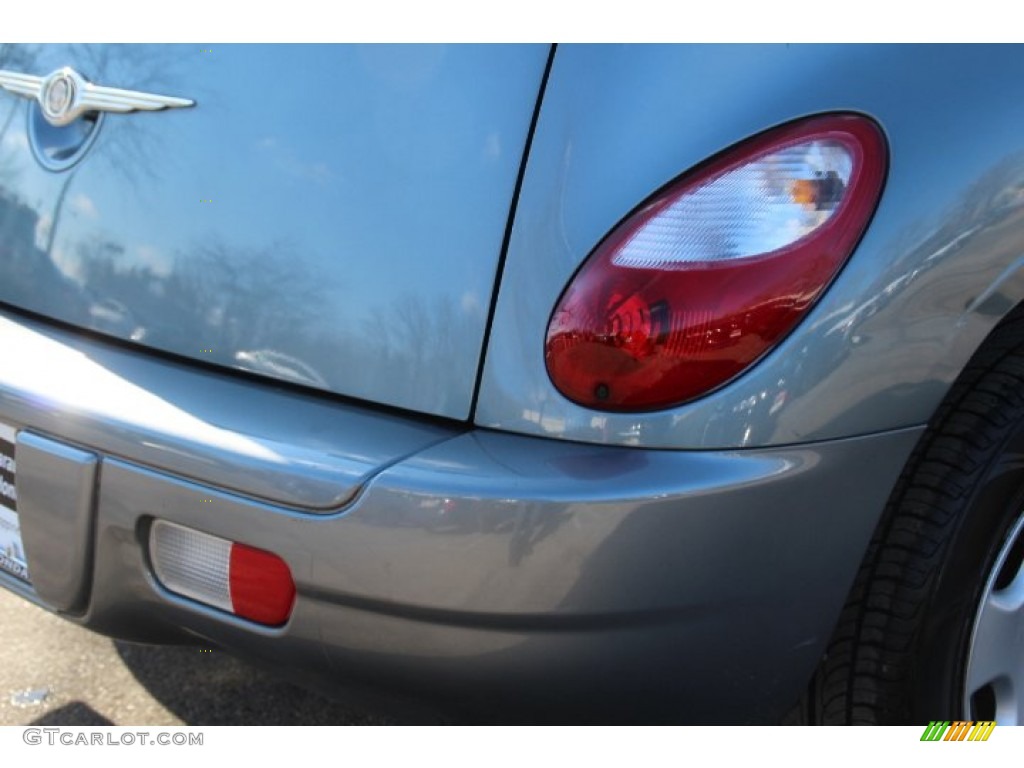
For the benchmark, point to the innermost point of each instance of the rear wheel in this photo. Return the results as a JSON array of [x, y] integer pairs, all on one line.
[[994, 679], [934, 625]]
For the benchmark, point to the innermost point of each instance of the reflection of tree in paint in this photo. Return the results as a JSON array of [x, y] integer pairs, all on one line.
[[26, 269], [246, 305], [417, 345], [18, 58]]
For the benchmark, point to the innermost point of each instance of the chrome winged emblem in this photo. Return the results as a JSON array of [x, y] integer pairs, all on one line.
[[65, 95]]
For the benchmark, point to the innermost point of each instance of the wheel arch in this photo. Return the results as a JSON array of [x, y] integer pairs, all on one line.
[[896, 650]]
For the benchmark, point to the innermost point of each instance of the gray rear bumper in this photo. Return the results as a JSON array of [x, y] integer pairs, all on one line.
[[491, 574]]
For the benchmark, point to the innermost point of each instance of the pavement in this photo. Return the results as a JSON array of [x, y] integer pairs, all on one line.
[[53, 672]]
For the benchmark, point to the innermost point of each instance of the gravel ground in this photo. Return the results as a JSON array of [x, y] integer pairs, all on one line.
[[55, 673]]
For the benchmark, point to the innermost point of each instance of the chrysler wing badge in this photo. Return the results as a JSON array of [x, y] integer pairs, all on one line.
[[65, 95]]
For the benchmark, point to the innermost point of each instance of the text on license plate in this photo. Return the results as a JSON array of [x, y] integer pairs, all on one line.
[[12, 553]]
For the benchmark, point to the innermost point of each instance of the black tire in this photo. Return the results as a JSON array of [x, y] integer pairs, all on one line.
[[900, 650]]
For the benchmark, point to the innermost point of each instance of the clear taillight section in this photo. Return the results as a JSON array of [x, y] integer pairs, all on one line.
[[714, 270]]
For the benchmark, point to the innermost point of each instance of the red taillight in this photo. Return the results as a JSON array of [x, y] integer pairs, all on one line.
[[717, 268]]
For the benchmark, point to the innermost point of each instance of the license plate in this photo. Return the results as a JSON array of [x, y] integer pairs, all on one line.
[[12, 553]]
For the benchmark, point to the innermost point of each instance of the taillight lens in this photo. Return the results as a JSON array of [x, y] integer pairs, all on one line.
[[716, 268]]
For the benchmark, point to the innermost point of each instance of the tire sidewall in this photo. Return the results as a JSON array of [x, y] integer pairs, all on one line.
[[994, 505]]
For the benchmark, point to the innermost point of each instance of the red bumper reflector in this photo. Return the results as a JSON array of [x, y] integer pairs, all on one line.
[[261, 585]]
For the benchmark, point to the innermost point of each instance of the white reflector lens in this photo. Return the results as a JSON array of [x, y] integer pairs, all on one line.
[[763, 205], [191, 563], [248, 582]]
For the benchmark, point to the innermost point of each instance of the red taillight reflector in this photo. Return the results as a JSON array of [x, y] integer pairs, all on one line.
[[713, 271]]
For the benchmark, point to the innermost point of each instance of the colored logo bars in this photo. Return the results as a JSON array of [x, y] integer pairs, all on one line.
[[960, 730]]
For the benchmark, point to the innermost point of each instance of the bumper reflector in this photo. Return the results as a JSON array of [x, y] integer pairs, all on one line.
[[252, 583]]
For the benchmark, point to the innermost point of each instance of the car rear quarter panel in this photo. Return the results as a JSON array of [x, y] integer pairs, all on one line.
[[937, 268]]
